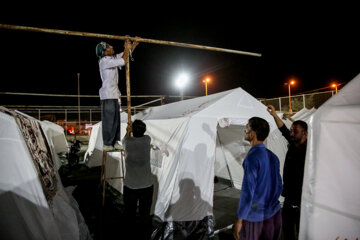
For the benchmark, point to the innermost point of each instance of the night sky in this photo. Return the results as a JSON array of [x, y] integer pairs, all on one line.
[[316, 47]]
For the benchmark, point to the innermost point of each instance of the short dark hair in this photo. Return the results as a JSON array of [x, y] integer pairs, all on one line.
[[260, 127], [302, 124], [138, 128]]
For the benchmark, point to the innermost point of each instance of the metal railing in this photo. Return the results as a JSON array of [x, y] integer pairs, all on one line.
[[298, 102], [88, 114], [92, 114]]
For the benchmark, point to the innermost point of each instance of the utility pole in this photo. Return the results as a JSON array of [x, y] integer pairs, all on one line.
[[78, 75]]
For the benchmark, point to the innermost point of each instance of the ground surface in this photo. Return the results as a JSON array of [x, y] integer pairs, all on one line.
[[107, 221]]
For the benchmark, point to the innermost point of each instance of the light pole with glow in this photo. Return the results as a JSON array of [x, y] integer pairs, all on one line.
[[334, 85], [181, 81], [206, 81], [292, 82]]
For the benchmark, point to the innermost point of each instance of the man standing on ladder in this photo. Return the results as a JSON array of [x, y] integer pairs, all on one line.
[[109, 62]]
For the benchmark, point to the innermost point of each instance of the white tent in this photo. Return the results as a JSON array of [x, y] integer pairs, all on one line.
[[304, 115], [25, 212], [197, 139], [94, 153], [331, 197], [56, 138]]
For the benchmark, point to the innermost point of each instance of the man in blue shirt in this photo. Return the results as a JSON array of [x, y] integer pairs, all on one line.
[[258, 215]]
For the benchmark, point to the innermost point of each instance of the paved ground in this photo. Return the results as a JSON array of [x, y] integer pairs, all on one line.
[[226, 201], [104, 222]]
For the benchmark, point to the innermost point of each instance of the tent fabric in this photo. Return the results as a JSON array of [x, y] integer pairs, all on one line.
[[195, 141], [24, 210], [304, 115], [39, 150], [331, 196], [114, 162], [198, 147], [56, 138]]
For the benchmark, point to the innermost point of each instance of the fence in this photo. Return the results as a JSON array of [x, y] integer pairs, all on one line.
[[299, 102], [69, 115]]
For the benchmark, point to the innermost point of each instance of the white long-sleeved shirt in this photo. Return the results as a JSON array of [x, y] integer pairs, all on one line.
[[109, 73]]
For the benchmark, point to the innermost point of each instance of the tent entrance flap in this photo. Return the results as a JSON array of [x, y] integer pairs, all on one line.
[[231, 149]]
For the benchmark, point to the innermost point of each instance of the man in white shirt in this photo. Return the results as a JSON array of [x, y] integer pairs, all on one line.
[[109, 62]]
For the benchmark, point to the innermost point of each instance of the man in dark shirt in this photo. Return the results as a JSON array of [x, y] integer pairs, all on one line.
[[293, 173]]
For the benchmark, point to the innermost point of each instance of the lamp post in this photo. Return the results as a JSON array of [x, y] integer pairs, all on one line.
[[206, 81], [181, 81], [334, 85], [292, 82]]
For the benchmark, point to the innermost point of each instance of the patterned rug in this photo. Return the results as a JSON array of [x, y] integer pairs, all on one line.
[[39, 150]]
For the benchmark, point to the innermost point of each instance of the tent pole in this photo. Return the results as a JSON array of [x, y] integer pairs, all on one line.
[[137, 39], [128, 96], [227, 165], [126, 38]]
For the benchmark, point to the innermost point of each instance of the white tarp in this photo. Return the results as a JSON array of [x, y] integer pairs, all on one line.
[[24, 210], [330, 207], [94, 154], [56, 139], [204, 143], [304, 115], [210, 145]]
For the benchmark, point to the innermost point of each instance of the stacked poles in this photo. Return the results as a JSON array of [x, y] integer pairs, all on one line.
[[126, 38]]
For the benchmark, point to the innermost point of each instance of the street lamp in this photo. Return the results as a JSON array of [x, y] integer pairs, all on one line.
[[181, 81], [206, 81], [334, 85], [292, 82]]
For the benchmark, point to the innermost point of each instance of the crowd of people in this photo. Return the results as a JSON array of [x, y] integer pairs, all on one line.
[[259, 214]]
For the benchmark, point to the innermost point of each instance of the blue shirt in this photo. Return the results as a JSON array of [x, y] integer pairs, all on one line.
[[261, 186]]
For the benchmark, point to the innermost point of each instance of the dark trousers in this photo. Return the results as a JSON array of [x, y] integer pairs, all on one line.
[[269, 229], [140, 227], [291, 221], [110, 117]]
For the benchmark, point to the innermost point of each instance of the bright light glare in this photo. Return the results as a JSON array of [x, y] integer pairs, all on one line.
[[292, 82], [334, 85], [182, 80]]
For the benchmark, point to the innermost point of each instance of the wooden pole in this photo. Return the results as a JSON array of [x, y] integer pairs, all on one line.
[[290, 109], [126, 38], [127, 68], [137, 39]]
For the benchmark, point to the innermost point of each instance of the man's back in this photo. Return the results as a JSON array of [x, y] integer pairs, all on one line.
[[262, 185]]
